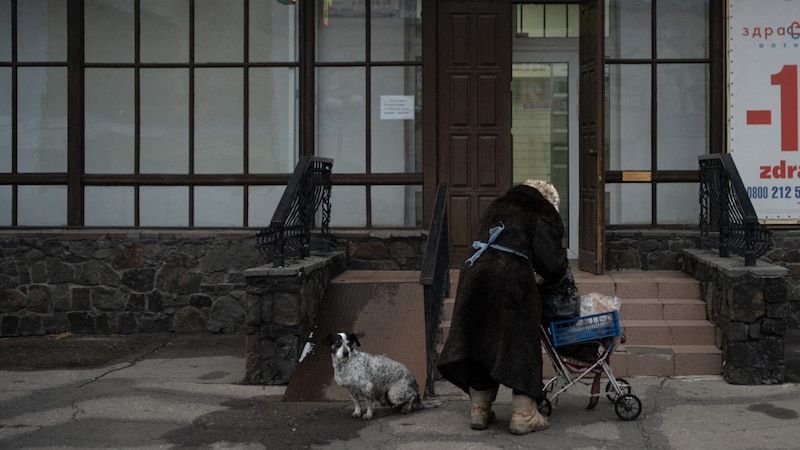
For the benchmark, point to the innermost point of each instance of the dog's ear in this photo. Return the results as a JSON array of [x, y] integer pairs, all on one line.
[[328, 339], [353, 338]]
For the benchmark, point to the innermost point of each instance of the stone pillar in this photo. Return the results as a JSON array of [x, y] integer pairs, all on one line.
[[749, 306], [282, 307]]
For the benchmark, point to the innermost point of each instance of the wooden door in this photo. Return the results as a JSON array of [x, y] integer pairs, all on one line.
[[590, 147], [474, 112]]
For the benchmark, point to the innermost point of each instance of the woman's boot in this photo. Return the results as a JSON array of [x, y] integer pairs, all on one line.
[[526, 416], [481, 414]]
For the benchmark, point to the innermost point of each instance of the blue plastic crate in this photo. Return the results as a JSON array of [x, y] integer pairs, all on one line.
[[585, 328]]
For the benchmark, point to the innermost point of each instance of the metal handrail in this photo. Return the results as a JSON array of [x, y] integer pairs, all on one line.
[[289, 231], [740, 232], [435, 279]]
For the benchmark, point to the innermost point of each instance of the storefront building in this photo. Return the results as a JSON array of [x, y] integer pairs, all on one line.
[[170, 118]]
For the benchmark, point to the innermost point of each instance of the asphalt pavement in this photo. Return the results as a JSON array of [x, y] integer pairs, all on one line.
[[178, 391]]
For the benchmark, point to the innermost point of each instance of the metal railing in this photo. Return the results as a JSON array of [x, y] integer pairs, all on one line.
[[289, 232], [740, 232], [435, 279]]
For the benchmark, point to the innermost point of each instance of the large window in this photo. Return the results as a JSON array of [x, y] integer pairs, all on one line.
[[192, 113], [368, 110], [657, 72]]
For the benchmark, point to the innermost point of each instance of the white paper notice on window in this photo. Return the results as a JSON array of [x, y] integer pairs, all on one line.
[[397, 107]]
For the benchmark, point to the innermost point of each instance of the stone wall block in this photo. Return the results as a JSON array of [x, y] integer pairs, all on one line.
[[129, 257], [154, 323], [109, 299], [139, 280], [30, 324], [773, 327], [738, 332], [55, 323], [227, 314], [200, 301], [40, 299], [136, 302], [59, 272], [38, 272], [12, 300], [188, 320], [155, 302], [9, 325], [286, 309], [80, 322], [96, 273], [126, 323], [778, 310], [81, 298]]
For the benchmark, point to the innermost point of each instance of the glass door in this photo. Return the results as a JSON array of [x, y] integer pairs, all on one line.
[[544, 129], [544, 111]]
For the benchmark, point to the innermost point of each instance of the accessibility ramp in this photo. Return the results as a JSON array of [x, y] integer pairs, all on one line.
[[384, 308]]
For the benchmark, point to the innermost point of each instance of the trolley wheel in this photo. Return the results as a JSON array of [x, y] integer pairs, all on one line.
[[545, 407], [628, 407], [612, 394]]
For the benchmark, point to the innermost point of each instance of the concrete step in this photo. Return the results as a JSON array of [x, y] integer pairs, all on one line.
[[662, 316], [638, 309]]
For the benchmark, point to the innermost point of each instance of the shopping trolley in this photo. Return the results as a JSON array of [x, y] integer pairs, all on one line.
[[601, 334]]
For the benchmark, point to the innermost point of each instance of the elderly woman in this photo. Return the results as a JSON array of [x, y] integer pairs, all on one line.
[[495, 334]]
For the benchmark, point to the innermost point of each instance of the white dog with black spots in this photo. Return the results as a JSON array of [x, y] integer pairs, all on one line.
[[373, 377]]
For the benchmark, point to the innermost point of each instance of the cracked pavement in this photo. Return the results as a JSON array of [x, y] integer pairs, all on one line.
[[179, 391]]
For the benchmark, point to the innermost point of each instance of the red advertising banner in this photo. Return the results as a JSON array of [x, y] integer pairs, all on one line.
[[763, 61]]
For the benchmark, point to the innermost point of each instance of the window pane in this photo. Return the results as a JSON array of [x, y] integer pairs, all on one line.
[[164, 97], [110, 121], [262, 203], [5, 30], [6, 198], [108, 206], [348, 206], [682, 29], [273, 31], [42, 119], [273, 126], [218, 130], [164, 206], [620, 197], [396, 119], [108, 31], [218, 206], [41, 30], [555, 18], [42, 205], [164, 30], [628, 121], [341, 114], [5, 119], [341, 31], [219, 26], [397, 206], [682, 115], [530, 20], [396, 31], [629, 26], [678, 203]]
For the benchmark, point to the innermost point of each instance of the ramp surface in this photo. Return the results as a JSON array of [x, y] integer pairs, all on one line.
[[385, 309]]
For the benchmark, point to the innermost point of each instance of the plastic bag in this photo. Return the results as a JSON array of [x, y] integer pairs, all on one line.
[[559, 300], [595, 303]]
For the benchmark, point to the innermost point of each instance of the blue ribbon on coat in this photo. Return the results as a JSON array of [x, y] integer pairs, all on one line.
[[481, 247]]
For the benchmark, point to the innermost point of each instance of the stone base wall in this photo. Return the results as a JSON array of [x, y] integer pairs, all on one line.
[[749, 307], [282, 307], [124, 282]]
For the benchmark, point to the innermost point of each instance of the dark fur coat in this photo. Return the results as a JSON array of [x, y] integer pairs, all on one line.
[[497, 315]]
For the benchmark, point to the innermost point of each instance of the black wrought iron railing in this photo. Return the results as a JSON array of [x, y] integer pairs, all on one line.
[[307, 193], [435, 279], [739, 230]]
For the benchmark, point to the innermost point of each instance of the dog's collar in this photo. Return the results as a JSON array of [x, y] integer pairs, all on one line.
[[481, 247]]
